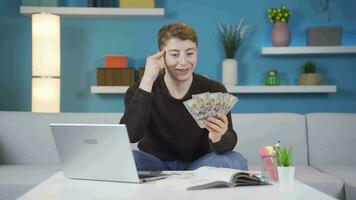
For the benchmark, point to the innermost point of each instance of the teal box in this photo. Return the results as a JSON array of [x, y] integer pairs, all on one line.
[[75, 3], [49, 3]]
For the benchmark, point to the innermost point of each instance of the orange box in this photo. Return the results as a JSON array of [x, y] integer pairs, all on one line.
[[115, 61]]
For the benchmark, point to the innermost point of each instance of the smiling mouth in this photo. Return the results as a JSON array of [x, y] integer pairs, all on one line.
[[183, 70]]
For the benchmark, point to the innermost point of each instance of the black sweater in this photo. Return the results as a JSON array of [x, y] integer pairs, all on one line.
[[164, 127]]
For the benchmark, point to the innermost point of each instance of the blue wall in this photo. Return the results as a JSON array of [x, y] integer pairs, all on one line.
[[85, 42]]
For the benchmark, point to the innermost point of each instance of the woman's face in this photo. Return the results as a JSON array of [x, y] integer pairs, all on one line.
[[180, 58]]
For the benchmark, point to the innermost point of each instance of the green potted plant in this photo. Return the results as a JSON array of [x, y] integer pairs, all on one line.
[[280, 33], [232, 36], [310, 77], [285, 169]]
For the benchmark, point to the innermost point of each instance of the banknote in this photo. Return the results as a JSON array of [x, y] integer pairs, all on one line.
[[205, 100], [216, 102], [205, 105], [224, 102], [232, 100], [197, 110]]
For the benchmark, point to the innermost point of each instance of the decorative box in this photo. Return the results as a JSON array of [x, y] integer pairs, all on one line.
[[141, 71], [115, 76], [75, 3], [103, 3], [48, 3], [137, 3], [324, 36], [115, 61]]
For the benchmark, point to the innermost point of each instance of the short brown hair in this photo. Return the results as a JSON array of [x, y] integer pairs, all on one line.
[[176, 30]]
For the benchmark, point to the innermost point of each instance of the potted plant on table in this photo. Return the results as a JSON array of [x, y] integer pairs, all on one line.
[[310, 77], [285, 169], [280, 33], [232, 37]]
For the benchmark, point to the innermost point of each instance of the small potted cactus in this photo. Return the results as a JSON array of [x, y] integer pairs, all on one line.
[[310, 77]]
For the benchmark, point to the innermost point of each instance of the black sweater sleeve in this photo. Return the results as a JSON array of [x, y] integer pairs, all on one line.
[[137, 111]]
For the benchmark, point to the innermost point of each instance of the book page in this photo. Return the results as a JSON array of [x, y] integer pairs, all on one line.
[[218, 174], [184, 182], [209, 177]]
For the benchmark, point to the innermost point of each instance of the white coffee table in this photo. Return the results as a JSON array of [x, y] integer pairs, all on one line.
[[58, 187]]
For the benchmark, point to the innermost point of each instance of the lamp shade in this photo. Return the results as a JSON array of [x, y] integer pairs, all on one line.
[[45, 94], [45, 63], [45, 45]]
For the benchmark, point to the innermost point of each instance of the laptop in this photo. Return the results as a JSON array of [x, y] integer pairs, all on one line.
[[98, 152]]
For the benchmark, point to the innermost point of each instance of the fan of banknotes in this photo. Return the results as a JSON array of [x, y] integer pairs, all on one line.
[[205, 105]]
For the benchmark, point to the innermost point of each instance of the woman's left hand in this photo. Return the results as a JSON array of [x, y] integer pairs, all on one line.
[[217, 127]]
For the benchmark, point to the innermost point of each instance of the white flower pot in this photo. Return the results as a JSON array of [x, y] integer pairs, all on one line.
[[229, 72], [286, 175]]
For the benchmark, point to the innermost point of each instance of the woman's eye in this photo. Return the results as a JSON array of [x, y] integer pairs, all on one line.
[[190, 54], [174, 55]]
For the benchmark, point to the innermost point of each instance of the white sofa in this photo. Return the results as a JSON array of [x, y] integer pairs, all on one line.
[[256, 130], [323, 145], [332, 147]]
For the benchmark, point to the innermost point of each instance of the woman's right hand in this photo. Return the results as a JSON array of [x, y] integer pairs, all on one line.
[[154, 64]]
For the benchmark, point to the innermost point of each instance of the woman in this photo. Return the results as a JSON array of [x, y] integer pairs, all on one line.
[[156, 118]]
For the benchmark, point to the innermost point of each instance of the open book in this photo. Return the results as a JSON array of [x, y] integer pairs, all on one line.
[[212, 177]]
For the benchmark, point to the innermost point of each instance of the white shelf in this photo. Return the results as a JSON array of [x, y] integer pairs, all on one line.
[[94, 11], [308, 50], [236, 89], [108, 89], [282, 89]]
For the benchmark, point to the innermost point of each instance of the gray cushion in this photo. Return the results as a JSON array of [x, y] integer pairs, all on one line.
[[324, 182], [15, 180], [345, 172], [331, 137], [255, 130], [25, 137], [321, 181], [350, 191]]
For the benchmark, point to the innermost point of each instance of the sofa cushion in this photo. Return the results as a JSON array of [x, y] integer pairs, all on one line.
[[26, 138], [15, 180], [331, 137], [321, 181], [255, 130], [350, 191], [345, 172]]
